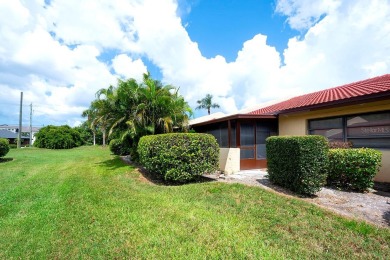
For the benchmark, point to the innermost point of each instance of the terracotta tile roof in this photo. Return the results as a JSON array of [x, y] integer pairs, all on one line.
[[344, 93]]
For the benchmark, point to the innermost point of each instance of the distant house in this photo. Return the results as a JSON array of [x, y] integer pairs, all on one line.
[[358, 112], [25, 131], [13, 137]]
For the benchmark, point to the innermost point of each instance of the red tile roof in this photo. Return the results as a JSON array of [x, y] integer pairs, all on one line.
[[345, 93]]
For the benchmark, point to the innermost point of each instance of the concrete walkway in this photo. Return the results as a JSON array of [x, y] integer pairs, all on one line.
[[373, 207]]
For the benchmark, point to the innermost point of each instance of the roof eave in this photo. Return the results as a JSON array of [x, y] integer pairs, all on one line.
[[342, 102], [233, 117]]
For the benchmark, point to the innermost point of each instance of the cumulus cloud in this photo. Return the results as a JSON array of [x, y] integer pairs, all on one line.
[[61, 53], [126, 67]]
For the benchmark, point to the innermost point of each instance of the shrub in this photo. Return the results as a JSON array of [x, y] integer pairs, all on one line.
[[4, 147], [353, 168], [298, 163], [179, 157], [338, 144], [57, 137], [120, 147]]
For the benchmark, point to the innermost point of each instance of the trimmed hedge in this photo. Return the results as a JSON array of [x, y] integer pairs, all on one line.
[[57, 137], [179, 157], [298, 163], [353, 169], [4, 147]]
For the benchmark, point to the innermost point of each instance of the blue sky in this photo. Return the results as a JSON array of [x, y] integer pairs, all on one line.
[[221, 27], [245, 53]]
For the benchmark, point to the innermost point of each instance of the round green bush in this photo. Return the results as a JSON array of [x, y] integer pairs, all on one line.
[[57, 137], [179, 157], [353, 169], [4, 147]]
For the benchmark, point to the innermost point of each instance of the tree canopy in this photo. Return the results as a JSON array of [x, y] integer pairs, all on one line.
[[132, 110], [207, 103]]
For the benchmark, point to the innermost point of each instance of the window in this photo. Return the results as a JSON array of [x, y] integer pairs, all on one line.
[[330, 128], [220, 132], [363, 130]]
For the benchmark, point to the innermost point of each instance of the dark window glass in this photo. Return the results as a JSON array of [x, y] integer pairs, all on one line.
[[224, 137], [331, 134], [261, 151], [369, 120], [216, 133], [233, 134], [326, 123], [247, 153], [363, 131], [370, 142], [261, 136], [247, 135]]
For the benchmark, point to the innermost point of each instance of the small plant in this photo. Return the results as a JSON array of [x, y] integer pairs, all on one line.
[[353, 169], [4, 147], [341, 145], [179, 157], [298, 162]]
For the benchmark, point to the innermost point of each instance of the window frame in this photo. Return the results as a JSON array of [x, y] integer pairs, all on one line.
[[345, 127]]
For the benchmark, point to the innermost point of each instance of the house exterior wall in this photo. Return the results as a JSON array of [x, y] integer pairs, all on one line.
[[229, 160], [297, 124]]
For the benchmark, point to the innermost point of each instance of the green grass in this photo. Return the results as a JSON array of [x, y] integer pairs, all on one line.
[[85, 203]]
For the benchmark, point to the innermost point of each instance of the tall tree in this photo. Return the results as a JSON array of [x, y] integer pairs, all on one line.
[[207, 103]]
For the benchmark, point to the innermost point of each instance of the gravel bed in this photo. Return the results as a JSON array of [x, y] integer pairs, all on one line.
[[373, 206]]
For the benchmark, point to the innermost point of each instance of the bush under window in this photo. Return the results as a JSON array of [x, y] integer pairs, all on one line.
[[353, 169], [298, 163]]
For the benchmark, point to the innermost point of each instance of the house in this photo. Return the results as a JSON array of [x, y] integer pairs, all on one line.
[[358, 112], [13, 137], [25, 131]]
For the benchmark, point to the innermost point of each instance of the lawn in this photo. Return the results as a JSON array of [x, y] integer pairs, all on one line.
[[86, 203]]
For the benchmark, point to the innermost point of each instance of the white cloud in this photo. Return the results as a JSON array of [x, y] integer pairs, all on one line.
[[303, 14], [126, 67]]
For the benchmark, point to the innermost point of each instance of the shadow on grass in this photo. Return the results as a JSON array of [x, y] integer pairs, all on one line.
[[4, 160], [158, 179], [267, 183], [112, 164]]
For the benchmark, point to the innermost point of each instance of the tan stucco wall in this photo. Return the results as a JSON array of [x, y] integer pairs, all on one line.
[[229, 160], [296, 124]]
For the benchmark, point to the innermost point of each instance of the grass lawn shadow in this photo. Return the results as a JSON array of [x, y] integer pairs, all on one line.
[[112, 164], [4, 160], [266, 182], [157, 179]]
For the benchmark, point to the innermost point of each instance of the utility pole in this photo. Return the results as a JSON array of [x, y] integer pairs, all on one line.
[[20, 121], [30, 124]]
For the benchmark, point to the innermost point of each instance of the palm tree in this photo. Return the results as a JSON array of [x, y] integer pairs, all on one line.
[[131, 110], [207, 103], [90, 113]]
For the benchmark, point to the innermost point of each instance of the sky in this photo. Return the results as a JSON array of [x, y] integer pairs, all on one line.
[[59, 53]]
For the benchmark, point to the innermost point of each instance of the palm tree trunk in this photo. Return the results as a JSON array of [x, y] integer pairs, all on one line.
[[94, 138], [104, 137]]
